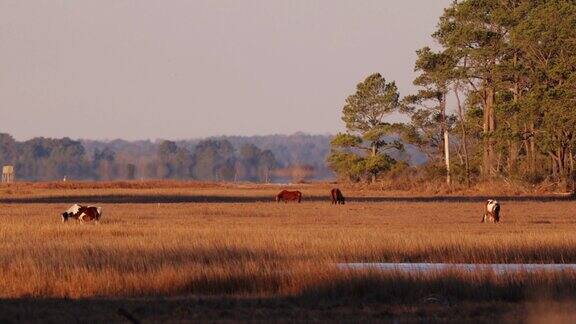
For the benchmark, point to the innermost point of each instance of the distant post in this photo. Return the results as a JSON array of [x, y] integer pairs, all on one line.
[[7, 174]]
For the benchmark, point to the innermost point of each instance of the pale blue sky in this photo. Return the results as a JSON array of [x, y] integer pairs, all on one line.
[[139, 69]]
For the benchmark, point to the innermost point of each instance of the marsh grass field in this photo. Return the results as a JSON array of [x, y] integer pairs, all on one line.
[[206, 252]]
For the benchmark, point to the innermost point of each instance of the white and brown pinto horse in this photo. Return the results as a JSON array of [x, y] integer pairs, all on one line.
[[82, 213], [491, 211]]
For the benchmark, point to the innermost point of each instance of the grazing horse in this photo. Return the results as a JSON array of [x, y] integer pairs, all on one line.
[[337, 197], [286, 196], [82, 213], [491, 211]]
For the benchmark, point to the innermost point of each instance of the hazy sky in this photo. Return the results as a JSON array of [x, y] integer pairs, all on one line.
[[139, 69]]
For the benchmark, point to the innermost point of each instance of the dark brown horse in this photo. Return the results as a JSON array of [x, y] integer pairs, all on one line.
[[287, 196], [337, 196]]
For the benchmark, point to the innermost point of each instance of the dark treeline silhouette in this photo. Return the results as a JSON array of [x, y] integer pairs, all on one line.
[[271, 158]]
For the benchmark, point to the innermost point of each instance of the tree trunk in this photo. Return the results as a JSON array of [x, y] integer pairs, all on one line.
[[488, 128], [492, 125], [512, 156], [572, 174], [526, 145], [447, 157], [514, 143], [564, 167], [554, 166], [463, 134], [444, 126], [532, 142], [485, 143], [374, 152], [571, 159]]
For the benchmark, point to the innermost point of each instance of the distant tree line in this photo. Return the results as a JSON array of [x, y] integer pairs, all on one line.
[[509, 69], [45, 158], [214, 160], [257, 159]]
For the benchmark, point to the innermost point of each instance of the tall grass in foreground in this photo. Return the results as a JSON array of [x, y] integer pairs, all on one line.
[[269, 249], [307, 281]]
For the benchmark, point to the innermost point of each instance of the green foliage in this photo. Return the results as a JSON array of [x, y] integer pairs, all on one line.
[[379, 163], [347, 165], [254, 164], [173, 161], [515, 62], [427, 108], [346, 141], [166, 149], [103, 164], [547, 39], [51, 159], [374, 99], [360, 153], [8, 150], [214, 161]]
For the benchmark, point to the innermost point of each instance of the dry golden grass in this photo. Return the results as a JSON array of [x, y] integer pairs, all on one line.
[[266, 249], [392, 188]]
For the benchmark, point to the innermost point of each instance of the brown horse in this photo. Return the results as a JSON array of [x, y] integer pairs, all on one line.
[[286, 196], [337, 196]]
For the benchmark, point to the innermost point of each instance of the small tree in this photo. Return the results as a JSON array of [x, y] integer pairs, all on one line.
[[104, 163], [266, 163], [166, 151], [361, 151]]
